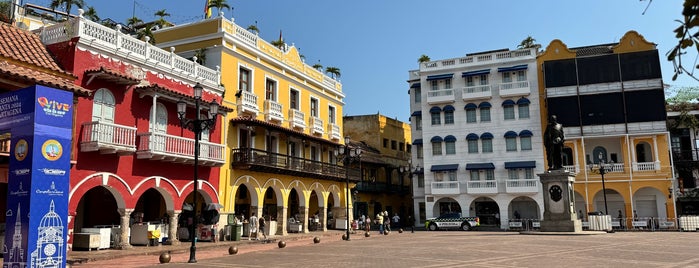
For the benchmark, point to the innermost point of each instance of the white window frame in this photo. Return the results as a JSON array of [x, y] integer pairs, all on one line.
[[485, 114], [471, 116], [450, 147], [487, 145], [523, 110], [472, 146], [448, 117]]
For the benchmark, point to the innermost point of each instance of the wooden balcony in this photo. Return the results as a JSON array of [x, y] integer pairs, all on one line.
[[482, 187], [164, 147], [263, 161], [108, 138], [445, 188], [522, 186]]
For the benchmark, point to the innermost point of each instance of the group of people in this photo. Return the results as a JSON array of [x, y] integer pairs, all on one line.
[[256, 226], [382, 220]]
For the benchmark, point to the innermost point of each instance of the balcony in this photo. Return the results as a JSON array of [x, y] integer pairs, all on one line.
[[273, 111], [522, 186], [515, 89], [572, 169], [445, 188], [476, 92], [334, 133], [440, 96], [160, 146], [374, 187], [296, 119], [108, 138], [611, 168], [482, 187], [646, 166], [248, 103], [317, 125], [263, 161]]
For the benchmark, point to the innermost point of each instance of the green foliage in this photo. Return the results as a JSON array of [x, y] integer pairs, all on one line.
[[423, 58], [219, 4], [318, 66], [333, 71], [67, 3], [683, 100], [201, 55], [91, 14], [687, 35], [527, 42], [5, 9]]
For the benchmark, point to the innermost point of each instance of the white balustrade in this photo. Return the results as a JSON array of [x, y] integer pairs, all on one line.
[[522, 186], [334, 131], [273, 110], [161, 146], [440, 96], [645, 166], [317, 124], [476, 92], [107, 137], [482, 187], [518, 88], [297, 118], [249, 102], [445, 187]]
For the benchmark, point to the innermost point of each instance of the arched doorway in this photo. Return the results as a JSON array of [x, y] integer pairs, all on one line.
[[329, 219], [643, 152], [97, 207], [269, 205], [615, 202], [446, 205], [525, 206], [150, 207], [294, 207], [186, 218], [314, 211], [649, 202], [487, 210], [580, 206], [242, 200]]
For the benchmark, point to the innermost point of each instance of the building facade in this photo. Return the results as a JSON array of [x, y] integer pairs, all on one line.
[[282, 137], [478, 139], [610, 100]]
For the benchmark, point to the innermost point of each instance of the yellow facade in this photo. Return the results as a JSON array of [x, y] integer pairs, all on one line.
[[631, 184], [281, 161]]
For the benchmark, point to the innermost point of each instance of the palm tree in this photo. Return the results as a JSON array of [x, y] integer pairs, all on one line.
[[91, 14], [253, 29], [219, 4], [278, 43], [201, 55], [68, 3], [333, 71], [161, 22], [318, 67], [423, 58], [527, 42], [133, 21], [146, 32]]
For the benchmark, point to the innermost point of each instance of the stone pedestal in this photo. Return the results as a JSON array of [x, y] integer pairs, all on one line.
[[559, 202]]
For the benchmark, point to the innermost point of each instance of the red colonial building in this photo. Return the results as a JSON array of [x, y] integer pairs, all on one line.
[[132, 165]]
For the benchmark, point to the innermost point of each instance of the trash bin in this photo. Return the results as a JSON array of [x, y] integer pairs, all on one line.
[[237, 232]]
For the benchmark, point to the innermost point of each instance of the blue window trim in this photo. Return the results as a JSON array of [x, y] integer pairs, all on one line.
[[520, 164], [510, 134], [417, 142], [513, 68], [478, 166], [448, 108], [416, 113], [449, 138], [525, 133], [439, 77], [415, 85], [436, 139], [508, 103], [470, 106], [523, 100], [474, 73], [449, 167], [435, 110], [485, 104], [487, 135], [472, 136]]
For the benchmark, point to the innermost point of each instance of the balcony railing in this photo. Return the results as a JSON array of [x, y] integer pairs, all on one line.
[[296, 119], [259, 160], [273, 110], [685, 155], [522, 186], [611, 168], [378, 187], [573, 169], [317, 124], [160, 146], [476, 92], [334, 132], [519, 88], [440, 96], [646, 166], [248, 103], [445, 187], [482, 187], [108, 138]]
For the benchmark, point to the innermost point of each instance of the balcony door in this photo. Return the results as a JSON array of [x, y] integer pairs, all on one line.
[[159, 127], [103, 106]]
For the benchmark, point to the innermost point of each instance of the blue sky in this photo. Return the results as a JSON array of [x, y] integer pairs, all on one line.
[[375, 43]]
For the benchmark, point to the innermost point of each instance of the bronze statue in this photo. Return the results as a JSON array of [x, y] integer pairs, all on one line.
[[553, 141]]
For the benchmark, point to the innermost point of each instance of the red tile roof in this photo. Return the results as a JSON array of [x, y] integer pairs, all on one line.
[[33, 76]]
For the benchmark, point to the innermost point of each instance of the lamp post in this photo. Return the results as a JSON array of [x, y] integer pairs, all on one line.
[[348, 154], [603, 169], [197, 125], [409, 169]]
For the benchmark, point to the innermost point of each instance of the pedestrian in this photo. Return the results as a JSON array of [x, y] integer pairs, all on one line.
[[621, 219], [517, 216], [262, 228], [411, 223], [252, 227], [386, 222], [379, 220], [396, 221], [367, 224]]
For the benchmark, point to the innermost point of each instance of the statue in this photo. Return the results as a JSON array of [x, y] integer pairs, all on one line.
[[553, 141]]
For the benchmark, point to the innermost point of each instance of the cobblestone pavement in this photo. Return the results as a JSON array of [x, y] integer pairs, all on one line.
[[440, 249]]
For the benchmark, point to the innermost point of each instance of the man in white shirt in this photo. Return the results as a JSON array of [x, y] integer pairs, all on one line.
[[252, 228]]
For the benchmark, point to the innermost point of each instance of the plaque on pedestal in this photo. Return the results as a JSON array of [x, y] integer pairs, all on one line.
[[559, 202]]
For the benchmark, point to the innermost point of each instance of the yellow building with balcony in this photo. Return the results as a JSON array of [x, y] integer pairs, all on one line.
[[610, 100], [282, 137]]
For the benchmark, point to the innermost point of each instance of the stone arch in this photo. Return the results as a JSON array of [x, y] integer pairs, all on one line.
[[446, 205], [487, 209], [119, 189], [168, 190], [644, 152], [336, 192], [615, 201], [525, 206], [251, 183], [649, 202], [301, 189]]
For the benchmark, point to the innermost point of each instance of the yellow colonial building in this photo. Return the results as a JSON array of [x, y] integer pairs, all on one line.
[[282, 137], [610, 100]]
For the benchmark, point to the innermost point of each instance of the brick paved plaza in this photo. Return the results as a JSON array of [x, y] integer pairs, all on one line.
[[432, 249]]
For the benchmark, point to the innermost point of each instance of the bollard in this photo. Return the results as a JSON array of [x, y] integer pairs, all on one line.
[[165, 257], [344, 237], [316, 240], [281, 244], [367, 234], [232, 250]]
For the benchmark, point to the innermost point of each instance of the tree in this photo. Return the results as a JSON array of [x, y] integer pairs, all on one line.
[[133, 21], [318, 67], [161, 22], [201, 55], [333, 71], [423, 58], [687, 35], [67, 3], [253, 29], [5, 9], [146, 32], [527, 42], [683, 100], [91, 14], [278, 43], [219, 4]]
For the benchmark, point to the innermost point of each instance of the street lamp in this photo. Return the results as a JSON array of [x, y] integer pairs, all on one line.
[[410, 170], [197, 125], [348, 154], [603, 169]]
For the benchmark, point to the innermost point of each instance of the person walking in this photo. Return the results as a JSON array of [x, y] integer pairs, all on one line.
[[252, 228], [262, 228], [379, 220], [367, 224], [396, 220], [386, 222]]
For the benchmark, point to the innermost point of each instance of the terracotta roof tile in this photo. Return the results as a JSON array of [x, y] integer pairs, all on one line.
[[112, 76], [35, 76], [24, 46]]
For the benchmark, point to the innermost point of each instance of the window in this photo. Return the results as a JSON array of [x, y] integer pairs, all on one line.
[[485, 114], [470, 115], [418, 123], [294, 99], [314, 153], [448, 117], [434, 85], [474, 175], [525, 143], [436, 119], [451, 175], [450, 147], [400, 146], [385, 143], [244, 80], [394, 145], [522, 75], [469, 81], [103, 106], [160, 123], [408, 148], [487, 145], [523, 110], [511, 144], [483, 79], [436, 148], [419, 151], [418, 95], [447, 84], [506, 78], [509, 111], [314, 107], [528, 173], [489, 174], [420, 180], [331, 114], [271, 89], [512, 174], [472, 146]]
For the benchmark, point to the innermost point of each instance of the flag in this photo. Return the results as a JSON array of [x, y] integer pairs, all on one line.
[[207, 10]]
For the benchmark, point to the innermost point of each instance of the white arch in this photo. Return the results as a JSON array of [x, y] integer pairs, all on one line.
[[105, 181], [250, 182], [335, 190], [301, 190]]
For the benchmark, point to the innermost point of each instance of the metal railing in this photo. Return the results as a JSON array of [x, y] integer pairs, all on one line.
[[639, 224], [249, 158]]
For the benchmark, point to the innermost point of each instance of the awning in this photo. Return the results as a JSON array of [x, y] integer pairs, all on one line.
[[470, 106], [448, 108], [435, 110], [417, 142], [449, 167], [415, 85], [485, 104], [472, 136], [486, 135], [473, 73], [474, 166], [416, 113], [436, 139], [439, 76], [510, 134], [508, 103], [525, 133], [449, 138], [520, 164], [513, 68], [523, 101]]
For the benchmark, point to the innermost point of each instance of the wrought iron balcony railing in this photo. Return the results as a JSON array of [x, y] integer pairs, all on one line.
[[260, 160]]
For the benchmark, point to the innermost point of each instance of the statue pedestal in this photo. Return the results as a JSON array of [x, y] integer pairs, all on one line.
[[559, 202]]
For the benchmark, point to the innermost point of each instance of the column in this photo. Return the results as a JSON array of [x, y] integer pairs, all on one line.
[[172, 230], [304, 218], [125, 222], [282, 221], [323, 219]]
